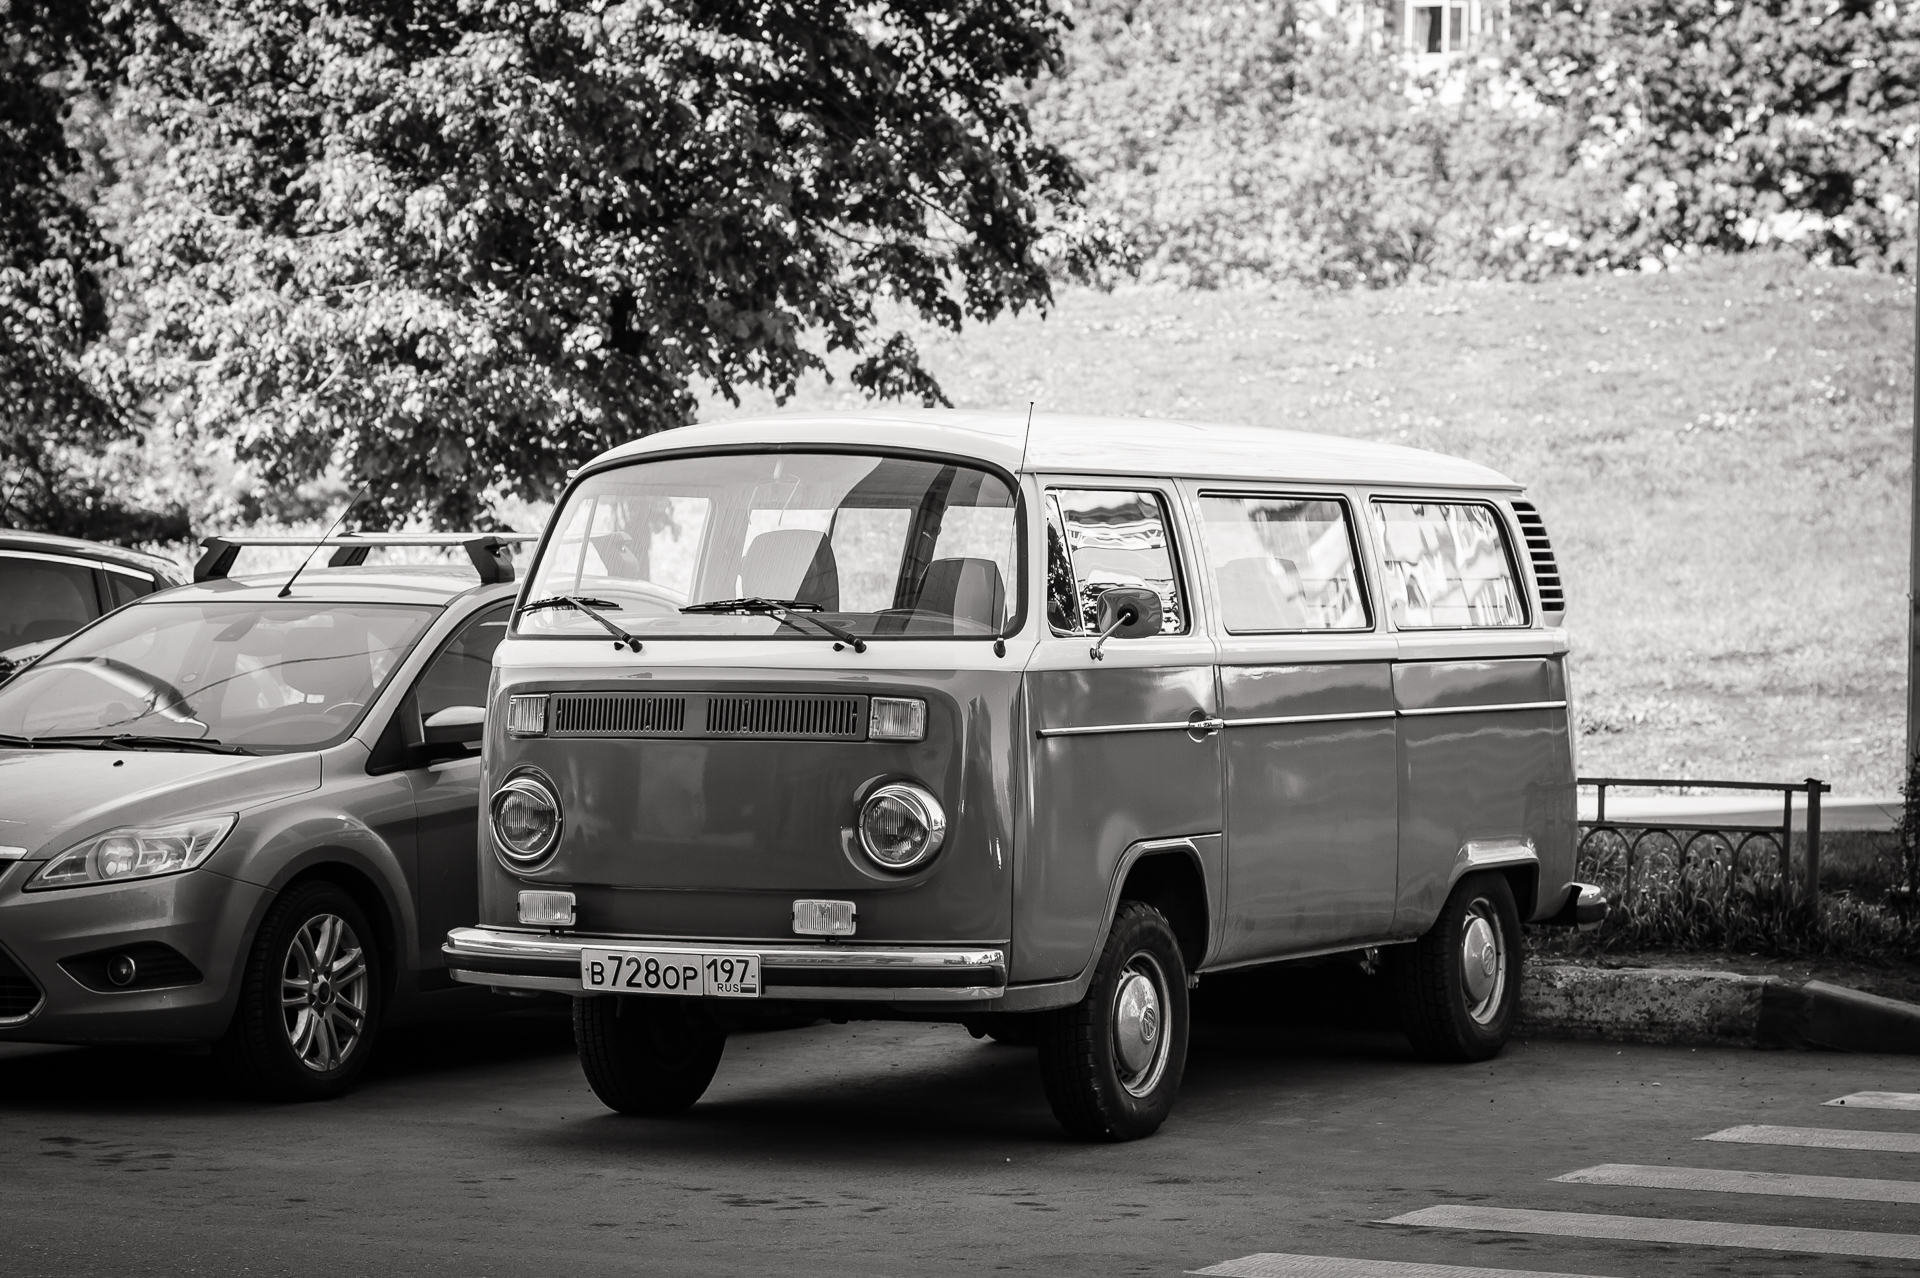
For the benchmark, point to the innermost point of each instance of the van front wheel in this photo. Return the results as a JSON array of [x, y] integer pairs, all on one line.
[[1458, 985], [1112, 1062], [652, 1056]]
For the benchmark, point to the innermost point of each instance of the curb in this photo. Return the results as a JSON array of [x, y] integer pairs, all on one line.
[[1706, 1007]]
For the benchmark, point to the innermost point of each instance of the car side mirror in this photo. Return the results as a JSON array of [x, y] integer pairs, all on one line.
[[1127, 612], [454, 726]]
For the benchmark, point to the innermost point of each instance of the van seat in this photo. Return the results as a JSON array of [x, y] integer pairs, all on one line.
[[792, 563], [965, 589]]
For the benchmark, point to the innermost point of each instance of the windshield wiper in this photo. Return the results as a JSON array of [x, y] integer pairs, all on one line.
[[128, 740], [587, 604], [784, 611]]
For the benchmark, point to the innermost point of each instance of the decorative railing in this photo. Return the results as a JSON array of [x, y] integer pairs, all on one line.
[[1672, 876]]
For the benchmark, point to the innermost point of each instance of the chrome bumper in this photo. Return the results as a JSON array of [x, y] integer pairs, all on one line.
[[836, 973]]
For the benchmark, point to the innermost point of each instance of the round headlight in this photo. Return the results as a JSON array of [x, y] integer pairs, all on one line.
[[901, 826], [526, 821]]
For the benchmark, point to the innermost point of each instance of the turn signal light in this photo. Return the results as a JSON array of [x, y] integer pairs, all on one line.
[[897, 719], [526, 716]]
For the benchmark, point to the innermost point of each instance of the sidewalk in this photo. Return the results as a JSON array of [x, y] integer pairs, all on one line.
[[1877, 812]]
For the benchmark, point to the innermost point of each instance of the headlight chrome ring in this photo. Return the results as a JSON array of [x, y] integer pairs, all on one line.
[[525, 816], [901, 826]]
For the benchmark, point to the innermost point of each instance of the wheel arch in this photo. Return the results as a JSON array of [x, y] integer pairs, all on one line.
[[1172, 880]]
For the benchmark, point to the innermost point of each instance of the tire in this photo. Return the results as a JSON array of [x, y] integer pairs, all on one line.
[[1458, 986], [1137, 1005], [652, 1056], [316, 948]]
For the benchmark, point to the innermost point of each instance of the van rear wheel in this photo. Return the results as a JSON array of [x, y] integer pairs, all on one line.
[[1112, 1062], [1459, 985], [651, 1056]]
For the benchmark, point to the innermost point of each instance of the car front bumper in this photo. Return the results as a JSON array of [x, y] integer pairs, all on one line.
[[839, 972]]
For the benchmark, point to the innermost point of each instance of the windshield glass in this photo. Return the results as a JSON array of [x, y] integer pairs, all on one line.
[[883, 547], [263, 676]]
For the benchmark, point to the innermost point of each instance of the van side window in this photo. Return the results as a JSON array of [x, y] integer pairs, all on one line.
[[1283, 563], [1447, 566], [1062, 614], [1118, 538]]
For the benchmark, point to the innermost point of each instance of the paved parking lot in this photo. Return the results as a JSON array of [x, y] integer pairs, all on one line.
[[476, 1149]]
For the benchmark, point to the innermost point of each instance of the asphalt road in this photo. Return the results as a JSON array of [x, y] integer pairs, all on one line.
[[476, 1149]]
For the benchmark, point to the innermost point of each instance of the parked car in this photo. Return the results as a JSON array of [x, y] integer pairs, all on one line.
[[949, 717], [242, 811], [52, 586]]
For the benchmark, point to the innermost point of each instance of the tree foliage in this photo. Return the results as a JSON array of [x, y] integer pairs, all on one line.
[[457, 246]]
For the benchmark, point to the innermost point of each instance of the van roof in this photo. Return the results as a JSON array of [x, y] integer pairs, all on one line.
[[1076, 444]]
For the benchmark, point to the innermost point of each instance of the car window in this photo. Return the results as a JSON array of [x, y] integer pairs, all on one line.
[[45, 599], [1114, 538], [125, 587], [1283, 563], [458, 676], [1447, 566]]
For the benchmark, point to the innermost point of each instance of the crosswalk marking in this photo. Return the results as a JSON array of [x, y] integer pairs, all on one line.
[[1879, 1100], [1820, 1138], [1711, 1233], [1716, 1180], [1272, 1264]]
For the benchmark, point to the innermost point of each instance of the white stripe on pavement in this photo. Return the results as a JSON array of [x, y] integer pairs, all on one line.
[[1710, 1233], [1879, 1100], [1718, 1181], [1820, 1138], [1273, 1264]]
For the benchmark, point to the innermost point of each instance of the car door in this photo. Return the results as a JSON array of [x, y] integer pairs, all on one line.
[[1306, 690], [446, 792], [1125, 747]]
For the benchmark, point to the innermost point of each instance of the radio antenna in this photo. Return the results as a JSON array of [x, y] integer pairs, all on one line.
[[338, 520], [1028, 438]]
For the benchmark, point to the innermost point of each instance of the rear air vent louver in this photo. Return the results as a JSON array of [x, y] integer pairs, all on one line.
[[617, 714], [813, 718], [1553, 598]]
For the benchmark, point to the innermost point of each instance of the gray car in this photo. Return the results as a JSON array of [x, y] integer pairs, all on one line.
[[241, 814]]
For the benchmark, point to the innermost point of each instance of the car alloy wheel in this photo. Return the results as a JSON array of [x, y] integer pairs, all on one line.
[[324, 992]]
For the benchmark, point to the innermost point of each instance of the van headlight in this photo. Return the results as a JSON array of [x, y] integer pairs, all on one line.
[[525, 815], [136, 853], [901, 826]]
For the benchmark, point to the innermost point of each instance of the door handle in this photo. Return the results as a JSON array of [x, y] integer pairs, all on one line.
[[1201, 725]]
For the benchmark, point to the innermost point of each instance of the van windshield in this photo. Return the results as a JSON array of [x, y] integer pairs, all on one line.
[[883, 547]]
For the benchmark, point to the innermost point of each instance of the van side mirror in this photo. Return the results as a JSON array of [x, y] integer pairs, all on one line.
[[449, 732], [1127, 612]]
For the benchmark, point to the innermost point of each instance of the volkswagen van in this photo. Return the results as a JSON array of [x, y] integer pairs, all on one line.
[[1024, 722]]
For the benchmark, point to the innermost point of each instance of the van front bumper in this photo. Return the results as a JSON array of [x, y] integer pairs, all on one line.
[[839, 972]]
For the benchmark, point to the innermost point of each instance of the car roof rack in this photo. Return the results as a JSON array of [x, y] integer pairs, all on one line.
[[491, 553]]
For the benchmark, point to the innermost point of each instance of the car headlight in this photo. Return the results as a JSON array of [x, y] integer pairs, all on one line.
[[135, 853], [526, 820], [901, 825]]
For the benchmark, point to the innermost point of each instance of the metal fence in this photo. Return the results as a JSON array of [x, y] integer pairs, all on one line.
[[1706, 871]]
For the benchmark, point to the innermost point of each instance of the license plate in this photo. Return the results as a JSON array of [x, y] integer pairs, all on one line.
[[671, 972]]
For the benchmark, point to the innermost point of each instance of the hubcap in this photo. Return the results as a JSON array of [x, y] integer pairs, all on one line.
[[323, 992], [1139, 1024], [1483, 961]]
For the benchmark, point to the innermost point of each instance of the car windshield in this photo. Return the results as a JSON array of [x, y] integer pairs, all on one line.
[[267, 677], [881, 547]]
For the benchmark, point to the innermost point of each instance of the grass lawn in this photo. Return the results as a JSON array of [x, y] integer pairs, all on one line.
[[1721, 455]]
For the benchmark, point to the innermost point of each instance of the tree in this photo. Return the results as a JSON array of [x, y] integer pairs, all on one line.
[[59, 416], [458, 246]]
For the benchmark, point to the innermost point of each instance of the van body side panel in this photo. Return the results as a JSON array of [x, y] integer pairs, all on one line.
[[1312, 823], [1096, 794], [1470, 770], [697, 837]]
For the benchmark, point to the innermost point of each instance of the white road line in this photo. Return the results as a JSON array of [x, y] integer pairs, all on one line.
[[1718, 1181], [1820, 1138], [1879, 1100], [1710, 1233], [1273, 1264]]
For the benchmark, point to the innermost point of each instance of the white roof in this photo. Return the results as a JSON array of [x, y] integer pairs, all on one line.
[[1070, 443]]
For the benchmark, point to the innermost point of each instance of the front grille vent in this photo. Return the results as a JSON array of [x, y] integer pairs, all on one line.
[[18, 994], [1553, 598], [813, 718], [617, 714]]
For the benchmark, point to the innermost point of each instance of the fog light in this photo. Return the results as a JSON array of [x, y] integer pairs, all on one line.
[[896, 719], [121, 969], [546, 909], [901, 826], [526, 820], [823, 918]]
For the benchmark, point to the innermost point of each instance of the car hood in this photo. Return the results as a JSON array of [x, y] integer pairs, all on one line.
[[50, 799]]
